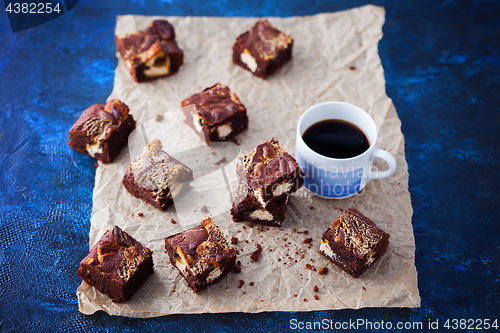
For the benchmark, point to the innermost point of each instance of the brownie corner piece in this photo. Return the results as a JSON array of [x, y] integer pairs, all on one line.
[[201, 254], [156, 177], [270, 171], [263, 49], [151, 53], [102, 130], [216, 113], [117, 265], [246, 208], [353, 242]]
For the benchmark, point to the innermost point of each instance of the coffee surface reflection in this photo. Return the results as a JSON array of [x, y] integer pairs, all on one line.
[[336, 139]]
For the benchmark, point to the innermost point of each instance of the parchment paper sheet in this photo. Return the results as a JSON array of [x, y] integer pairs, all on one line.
[[325, 47]]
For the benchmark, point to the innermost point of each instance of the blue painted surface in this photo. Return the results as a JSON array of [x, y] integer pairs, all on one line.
[[441, 62]]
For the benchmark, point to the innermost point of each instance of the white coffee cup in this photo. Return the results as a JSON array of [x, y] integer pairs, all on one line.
[[339, 178]]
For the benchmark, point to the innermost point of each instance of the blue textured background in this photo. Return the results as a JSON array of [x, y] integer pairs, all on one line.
[[441, 62]]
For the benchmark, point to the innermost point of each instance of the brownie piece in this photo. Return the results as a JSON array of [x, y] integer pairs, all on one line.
[[117, 265], [202, 254], [353, 242], [102, 130], [216, 113], [156, 177], [263, 49], [270, 171], [151, 53], [247, 208]]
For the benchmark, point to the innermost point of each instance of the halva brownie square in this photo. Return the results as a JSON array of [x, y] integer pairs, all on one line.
[[156, 177], [353, 242], [117, 265], [201, 254], [151, 53], [270, 171], [102, 130], [263, 49], [216, 113], [246, 208]]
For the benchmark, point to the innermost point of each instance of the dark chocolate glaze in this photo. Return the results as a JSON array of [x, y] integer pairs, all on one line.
[[190, 239], [215, 104]]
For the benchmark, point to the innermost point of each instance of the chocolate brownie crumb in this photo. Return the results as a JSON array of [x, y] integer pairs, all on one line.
[[237, 269], [159, 117], [364, 288], [172, 221], [204, 209], [256, 254], [308, 240], [352, 68], [311, 207], [241, 284], [140, 214], [294, 295], [219, 162], [305, 299], [308, 267], [251, 225], [315, 288], [323, 271], [316, 297], [251, 283], [234, 240]]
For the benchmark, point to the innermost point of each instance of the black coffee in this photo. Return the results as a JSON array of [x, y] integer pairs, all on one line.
[[336, 138]]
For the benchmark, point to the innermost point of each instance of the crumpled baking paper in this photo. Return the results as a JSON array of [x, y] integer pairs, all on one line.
[[335, 58]]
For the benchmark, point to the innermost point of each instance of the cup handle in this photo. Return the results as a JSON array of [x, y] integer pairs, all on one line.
[[386, 157]]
